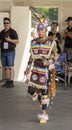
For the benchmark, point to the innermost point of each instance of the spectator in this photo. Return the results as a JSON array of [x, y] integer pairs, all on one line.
[[42, 57], [58, 42], [56, 35], [9, 40], [68, 39], [54, 26]]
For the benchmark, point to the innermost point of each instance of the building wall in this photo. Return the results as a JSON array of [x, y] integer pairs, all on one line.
[[21, 22]]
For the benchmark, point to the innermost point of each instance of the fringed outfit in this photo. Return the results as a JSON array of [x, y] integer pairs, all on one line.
[[52, 84], [41, 52]]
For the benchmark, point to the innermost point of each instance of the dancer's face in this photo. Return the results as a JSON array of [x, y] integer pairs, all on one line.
[[41, 32]]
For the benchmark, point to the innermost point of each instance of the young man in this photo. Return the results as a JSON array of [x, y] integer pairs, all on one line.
[[9, 40], [68, 39], [41, 59]]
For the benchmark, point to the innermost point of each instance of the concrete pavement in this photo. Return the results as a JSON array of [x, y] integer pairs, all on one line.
[[19, 112]]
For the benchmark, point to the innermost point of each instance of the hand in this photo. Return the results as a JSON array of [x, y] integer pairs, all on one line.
[[65, 31], [26, 71], [56, 57], [69, 34], [7, 39], [47, 63]]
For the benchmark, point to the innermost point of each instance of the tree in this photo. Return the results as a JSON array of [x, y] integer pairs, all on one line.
[[51, 14]]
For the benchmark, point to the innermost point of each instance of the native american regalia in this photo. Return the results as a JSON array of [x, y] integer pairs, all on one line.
[[41, 51], [52, 83]]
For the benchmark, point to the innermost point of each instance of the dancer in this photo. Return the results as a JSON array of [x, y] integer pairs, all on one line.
[[42, 56]]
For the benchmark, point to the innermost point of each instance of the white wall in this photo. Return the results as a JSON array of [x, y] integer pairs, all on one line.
[[20, 21]]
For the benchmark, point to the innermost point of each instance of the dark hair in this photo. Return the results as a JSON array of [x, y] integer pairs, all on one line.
[[50, 34], [6, 18], [58, 35], [54, 22], [68, 19]]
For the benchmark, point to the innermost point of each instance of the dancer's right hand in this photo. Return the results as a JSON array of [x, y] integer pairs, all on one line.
[[26, 71]]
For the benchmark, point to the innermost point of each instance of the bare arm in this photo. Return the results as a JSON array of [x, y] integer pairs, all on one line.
[[67, 34], [28, 65], [14, 41]]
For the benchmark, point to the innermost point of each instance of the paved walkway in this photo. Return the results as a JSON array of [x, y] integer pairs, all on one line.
[[19, 112]]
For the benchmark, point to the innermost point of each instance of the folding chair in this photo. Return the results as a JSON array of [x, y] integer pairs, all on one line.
[[61, 68]]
